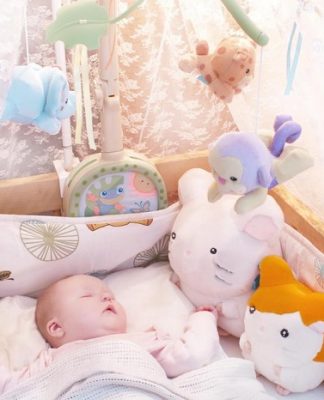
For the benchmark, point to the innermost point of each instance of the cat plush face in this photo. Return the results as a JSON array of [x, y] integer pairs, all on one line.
[[284, 335], [285, 314], [288, 317]]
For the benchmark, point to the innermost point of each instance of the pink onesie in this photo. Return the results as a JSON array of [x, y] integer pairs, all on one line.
[[198, 346]]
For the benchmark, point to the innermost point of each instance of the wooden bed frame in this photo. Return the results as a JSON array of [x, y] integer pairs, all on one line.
[[41, 195]]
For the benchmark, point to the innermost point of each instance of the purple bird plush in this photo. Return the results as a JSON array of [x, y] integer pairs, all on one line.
[[243, 164]]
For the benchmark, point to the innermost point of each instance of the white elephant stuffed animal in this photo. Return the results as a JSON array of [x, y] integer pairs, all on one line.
[[214, 252]]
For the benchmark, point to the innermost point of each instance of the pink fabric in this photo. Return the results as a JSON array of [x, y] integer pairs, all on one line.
[[198, 346], [306, 260]]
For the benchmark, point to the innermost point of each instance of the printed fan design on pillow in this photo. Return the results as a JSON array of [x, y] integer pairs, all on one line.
[[38, 250], [159, 252], [49, 242]]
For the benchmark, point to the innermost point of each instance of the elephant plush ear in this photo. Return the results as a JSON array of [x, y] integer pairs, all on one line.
[[263, 223], [261, 227], [56, 93], [25, 98], [194, 185]]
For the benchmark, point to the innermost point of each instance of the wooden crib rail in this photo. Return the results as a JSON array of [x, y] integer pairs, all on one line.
[[41, 195], [38, 194]]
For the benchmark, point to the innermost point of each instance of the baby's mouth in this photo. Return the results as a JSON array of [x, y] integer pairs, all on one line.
[[110, 308]]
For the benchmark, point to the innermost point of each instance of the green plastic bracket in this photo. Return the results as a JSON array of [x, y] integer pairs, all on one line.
[[246, 23], [83, 22]]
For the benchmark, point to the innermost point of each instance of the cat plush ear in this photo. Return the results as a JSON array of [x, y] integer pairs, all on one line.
[[312, 311], [275, 271], [317, 326]]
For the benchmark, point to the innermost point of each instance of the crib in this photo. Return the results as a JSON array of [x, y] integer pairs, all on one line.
[[31, 206], [40, 195]]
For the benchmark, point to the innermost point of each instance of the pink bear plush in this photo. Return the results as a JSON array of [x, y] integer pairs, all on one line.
[[227, 70]]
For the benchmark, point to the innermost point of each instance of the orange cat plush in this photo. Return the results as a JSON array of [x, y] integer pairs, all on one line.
[[284, 327]]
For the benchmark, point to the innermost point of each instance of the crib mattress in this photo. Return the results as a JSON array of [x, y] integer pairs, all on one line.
[[231, 347]]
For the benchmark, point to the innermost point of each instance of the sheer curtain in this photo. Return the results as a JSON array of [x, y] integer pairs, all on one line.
[[24, 150], [305, 99], [11, 26], [166, 111]]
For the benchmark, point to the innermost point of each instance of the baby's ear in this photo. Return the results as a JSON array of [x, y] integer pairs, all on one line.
[[54, 329]]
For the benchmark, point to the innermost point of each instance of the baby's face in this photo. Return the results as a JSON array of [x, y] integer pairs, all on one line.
[[86, 308]]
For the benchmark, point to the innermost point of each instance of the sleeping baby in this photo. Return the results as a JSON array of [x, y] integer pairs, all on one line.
[[82, 307]]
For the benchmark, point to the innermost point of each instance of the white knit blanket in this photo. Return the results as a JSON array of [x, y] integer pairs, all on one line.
[[118, 370]]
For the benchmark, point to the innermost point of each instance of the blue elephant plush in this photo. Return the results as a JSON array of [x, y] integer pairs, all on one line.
[[39, 96]]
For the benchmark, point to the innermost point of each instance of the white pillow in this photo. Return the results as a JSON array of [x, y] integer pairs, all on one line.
[[150, 298], [41, 250], [20, 340]]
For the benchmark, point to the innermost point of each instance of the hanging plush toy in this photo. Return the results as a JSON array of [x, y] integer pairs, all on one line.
[[227, 70], [248, 165], [39, 96], [284, 329]]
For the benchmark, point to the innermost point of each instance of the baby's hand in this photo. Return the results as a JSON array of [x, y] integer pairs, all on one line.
[[150, 329], [282, 391], [277, 370], [208, 308], [5, 377], [175, 279], [159, 334], [246, 348]]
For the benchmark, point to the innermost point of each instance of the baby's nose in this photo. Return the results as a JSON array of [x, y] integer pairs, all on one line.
[[106, 296]]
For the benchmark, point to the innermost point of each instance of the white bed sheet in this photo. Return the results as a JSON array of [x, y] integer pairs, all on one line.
[[231, 347], [151, 299]]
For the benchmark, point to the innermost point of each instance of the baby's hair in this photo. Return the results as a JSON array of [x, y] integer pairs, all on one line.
[[45, 307]]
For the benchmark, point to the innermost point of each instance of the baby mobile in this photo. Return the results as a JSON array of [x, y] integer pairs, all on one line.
[[39, 96], [118, 181], [246, 164], [115, 181]]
